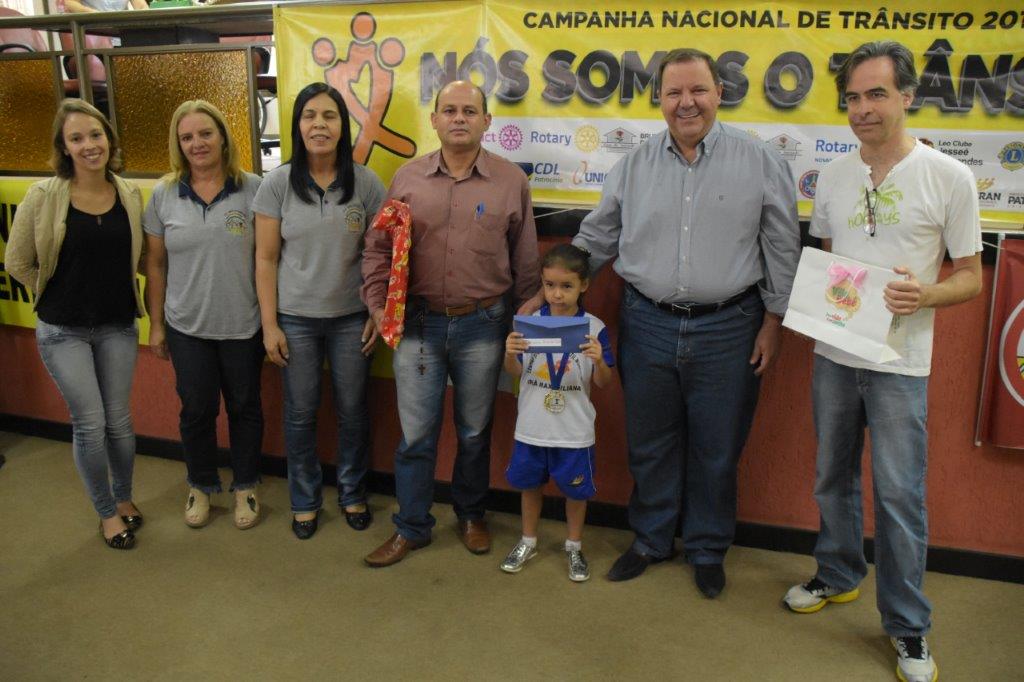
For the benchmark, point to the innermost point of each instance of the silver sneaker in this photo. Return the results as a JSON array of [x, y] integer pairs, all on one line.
[[518, 557], [579, 569]]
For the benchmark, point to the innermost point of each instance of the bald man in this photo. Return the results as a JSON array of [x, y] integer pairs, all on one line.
[[473, 257]]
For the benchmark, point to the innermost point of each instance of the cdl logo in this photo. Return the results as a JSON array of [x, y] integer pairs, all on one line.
[[545, 168]]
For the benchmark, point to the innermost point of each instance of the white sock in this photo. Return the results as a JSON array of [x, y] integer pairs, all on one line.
[[529, 542], [573, 545]]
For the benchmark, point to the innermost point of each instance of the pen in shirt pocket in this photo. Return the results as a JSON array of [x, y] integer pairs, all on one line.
[[479, 210]]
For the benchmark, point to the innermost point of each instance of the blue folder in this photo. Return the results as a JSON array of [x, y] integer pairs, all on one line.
[[549, 334]]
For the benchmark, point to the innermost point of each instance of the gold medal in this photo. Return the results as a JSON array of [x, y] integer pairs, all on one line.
[[554, 401]]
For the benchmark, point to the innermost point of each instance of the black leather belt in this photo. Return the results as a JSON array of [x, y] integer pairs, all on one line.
[[697, 309]]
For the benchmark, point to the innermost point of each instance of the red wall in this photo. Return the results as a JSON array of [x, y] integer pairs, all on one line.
[[973, 492]]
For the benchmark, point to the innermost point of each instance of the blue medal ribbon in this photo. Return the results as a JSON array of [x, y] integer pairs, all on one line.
[[556, 377]]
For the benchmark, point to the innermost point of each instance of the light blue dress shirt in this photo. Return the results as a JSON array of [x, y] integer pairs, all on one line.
[[699, 232]]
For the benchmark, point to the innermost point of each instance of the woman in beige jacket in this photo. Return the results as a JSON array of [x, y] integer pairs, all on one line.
[[76, 242]]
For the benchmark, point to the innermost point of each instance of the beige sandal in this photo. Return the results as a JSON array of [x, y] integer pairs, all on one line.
[[197, 508], [247, 509]]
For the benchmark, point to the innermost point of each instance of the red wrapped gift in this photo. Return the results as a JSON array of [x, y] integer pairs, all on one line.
[[394, 217]]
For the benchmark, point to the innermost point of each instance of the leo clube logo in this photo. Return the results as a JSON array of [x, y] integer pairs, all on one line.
[[342, 74]]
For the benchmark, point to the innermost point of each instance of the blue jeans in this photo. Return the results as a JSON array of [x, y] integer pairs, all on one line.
[[204, 369], [690, 394], [895, 409], [468, 349], [93, 368], [310, 341]]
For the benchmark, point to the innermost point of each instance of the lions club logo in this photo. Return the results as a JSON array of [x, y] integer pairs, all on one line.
[[1011, 157]]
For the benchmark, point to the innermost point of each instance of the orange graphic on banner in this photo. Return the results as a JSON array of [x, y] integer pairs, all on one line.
[[365, 55]]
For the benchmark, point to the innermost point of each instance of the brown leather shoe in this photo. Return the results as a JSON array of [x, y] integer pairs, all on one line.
[[475, 536], [394, 549]]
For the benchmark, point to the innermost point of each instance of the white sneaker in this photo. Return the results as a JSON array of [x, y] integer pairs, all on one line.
[[518, 557], [814, 595], [914, 663]]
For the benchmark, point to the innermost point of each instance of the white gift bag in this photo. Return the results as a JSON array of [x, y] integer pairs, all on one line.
[[839, 301]]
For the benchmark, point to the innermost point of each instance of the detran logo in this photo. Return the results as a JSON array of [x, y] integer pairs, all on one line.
[[808, 183]]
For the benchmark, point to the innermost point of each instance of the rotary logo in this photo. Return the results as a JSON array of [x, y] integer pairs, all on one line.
[[587, 138], [510, 137], [1011, 157]]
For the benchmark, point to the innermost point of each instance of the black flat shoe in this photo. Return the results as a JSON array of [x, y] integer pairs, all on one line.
[[133, 521], [710, 579], [358, 520], [304, 530], [632, 564], [123, 540]]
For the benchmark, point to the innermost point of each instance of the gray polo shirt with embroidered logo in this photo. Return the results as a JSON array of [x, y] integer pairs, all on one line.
[[211, 284], [319, 274]]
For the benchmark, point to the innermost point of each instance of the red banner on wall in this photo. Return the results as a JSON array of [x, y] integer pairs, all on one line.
[[1001, 417]]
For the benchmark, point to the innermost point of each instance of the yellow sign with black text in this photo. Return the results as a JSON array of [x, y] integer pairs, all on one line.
[[572, 89]]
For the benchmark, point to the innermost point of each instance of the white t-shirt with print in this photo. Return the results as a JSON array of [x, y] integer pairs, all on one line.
[[926, 205], [574, 426]]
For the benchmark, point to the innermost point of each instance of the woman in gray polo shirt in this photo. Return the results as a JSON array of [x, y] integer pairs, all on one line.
[[311, 214], [201, 294]]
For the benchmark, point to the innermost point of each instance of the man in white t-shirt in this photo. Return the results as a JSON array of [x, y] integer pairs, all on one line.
[[897, 203]]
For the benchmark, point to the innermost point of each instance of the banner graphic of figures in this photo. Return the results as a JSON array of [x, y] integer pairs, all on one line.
[[573, 90]]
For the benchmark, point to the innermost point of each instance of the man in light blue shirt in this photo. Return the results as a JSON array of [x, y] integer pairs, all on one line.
[[703, 220]]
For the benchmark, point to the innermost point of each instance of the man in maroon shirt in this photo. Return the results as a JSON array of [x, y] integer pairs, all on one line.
[[474, 254]]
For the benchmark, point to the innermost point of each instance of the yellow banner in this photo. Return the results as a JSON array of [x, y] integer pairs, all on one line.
[[15, 299], [571, 89], [371, 55]]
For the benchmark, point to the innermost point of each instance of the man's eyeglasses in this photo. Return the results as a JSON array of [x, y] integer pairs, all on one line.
[[870, 201]]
